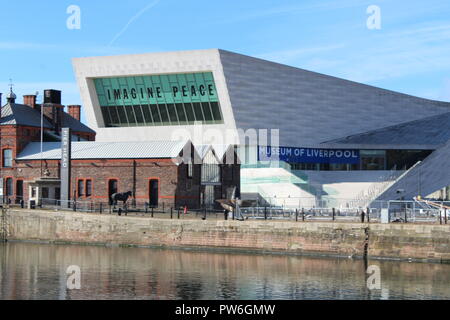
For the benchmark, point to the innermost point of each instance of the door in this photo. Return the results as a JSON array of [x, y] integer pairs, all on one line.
[[153, 192], [112, 188], [19, 191], [209, 196]]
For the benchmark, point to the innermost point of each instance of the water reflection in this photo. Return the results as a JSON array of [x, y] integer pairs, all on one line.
[[37, 271]]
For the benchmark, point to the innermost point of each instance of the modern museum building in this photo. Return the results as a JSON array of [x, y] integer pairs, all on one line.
[[303, 137]]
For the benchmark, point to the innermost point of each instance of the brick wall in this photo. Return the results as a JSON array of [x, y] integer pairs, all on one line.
[[421, 242]]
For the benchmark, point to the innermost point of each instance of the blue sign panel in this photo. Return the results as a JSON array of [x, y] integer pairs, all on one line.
[[307, 155]]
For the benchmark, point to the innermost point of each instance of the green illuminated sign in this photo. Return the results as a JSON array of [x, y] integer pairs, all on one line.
[[156, 89], [158, 100]]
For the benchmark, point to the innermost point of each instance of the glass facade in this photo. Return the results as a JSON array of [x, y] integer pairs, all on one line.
[[159, 100]]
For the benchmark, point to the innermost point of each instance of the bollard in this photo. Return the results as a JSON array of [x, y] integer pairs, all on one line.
[[368, 215], [204, 214], [225, 213], [303, 214], [296, 214], [146, 207], [265, 213], [406, 216], [445, 216], [334, 214], [100, 209], [171, 213], [440, 216], [362, 216], [178, 213], [152, 212]]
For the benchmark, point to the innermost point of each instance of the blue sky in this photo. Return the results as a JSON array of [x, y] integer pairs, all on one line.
[[410, 53]]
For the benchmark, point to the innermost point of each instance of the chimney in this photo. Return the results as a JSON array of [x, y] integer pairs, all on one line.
[[30, 100], [52, 108], [74, 111]]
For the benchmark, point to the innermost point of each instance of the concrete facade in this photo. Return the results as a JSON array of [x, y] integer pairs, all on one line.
[[309, 108]]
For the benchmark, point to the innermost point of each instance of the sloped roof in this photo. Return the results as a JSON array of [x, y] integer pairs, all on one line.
[[309, 108], [433, 131], [19, 114], [69, 122], [105, 150], [219, 150]]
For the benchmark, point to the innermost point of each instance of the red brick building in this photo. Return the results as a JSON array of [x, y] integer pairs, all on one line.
[[157, 172]]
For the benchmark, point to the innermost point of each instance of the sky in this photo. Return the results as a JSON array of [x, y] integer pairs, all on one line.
[[409, 52]]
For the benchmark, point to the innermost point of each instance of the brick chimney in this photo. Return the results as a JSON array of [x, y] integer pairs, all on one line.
[[74, 111], [52, 108], [30, 100]]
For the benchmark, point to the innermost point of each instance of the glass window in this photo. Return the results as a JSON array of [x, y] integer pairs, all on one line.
[[7, 158], [189, 112], [164, 113], [115, 121], [216, 111], [80, 188], [198, 112], [181, 113], [207, 111], [122, 116], [9, 187], [147, 114], [190, 169], [88, 187], [172, 114], [139, 115], [44, 193], [130, 116], [155, 114], [373, 159], [106, 116]]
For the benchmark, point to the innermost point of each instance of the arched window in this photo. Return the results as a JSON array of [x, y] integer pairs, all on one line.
[[7, 158]]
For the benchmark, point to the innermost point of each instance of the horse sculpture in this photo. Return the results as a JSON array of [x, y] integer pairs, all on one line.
[[120, 196]]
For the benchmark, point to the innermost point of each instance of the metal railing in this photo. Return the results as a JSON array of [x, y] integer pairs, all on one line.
[[399, 211]]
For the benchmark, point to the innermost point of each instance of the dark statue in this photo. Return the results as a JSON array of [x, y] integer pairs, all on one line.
[[120, 196]]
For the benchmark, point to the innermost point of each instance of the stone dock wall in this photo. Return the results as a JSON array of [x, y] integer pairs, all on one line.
[[390, 241]]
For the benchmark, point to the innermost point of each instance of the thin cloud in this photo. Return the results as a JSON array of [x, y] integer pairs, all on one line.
[[134, 18]]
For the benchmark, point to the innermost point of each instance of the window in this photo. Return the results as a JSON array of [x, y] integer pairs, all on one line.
[[7, 158], [19, 190], [9, 187], [190, 169], [373, 159], [88, 187], [80, 188], [44, 193]]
